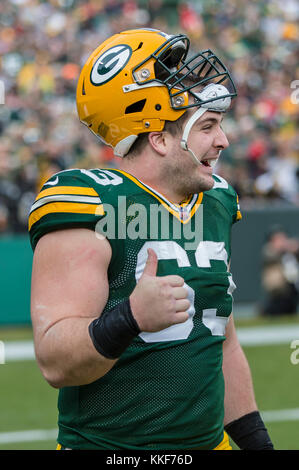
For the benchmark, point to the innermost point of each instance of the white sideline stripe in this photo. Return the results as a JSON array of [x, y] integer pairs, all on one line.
[[276, 416], [251, 336], [267, 335], [273, 416], [18, 351], [28, 436]]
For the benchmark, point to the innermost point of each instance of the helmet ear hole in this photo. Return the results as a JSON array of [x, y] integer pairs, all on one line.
[[177, 52], [168, 60], [135, 107]]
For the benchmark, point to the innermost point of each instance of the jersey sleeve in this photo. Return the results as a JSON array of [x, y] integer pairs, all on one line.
[[66, 200], [228, 197]]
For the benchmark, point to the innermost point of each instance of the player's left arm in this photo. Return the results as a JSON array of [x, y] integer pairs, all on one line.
[[242, 419], [239, 393]]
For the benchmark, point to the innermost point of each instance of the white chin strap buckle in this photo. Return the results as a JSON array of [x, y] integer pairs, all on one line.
[[219, 104]]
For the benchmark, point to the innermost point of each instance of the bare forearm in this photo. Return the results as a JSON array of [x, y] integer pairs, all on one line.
[[239, 394], [66, 355]]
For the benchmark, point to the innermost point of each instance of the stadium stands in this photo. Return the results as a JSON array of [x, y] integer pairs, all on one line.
[[43, 45]]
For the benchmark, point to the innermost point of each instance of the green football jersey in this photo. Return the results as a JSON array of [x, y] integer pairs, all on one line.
[[166, 391]]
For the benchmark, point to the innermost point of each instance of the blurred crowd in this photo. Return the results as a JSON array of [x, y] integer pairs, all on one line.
[[43, 45], [280, 273]]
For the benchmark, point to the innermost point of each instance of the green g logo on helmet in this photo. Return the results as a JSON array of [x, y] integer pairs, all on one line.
[[109, 64]]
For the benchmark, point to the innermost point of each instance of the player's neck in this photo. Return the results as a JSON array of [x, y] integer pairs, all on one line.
[[150, 175]]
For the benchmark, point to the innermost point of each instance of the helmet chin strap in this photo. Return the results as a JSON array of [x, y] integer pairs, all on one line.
[[198, 113], [220, 104], [198, 162]]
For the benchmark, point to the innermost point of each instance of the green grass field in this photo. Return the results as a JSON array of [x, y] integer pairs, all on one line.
[[27, 402]]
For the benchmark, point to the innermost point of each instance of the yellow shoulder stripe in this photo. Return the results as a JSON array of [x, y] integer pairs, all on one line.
[[67, 190], [239, 215], [64, 207]]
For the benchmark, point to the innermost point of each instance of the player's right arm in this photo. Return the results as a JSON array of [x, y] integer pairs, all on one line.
[[69, 289]]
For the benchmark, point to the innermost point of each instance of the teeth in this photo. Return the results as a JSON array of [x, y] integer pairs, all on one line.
[[210, 163], [213, 162]]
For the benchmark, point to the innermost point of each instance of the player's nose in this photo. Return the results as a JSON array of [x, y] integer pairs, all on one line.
[[221, 140]]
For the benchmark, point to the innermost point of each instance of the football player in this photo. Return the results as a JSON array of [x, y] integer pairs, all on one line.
[[132, 316]]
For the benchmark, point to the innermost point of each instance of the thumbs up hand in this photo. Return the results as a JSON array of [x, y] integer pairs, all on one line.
[[158, 302]]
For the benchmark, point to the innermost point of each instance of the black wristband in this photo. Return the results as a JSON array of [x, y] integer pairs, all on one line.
[[114, 330], [249, 432]]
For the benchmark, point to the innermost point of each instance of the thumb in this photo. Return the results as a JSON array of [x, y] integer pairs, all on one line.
[[151, 265]]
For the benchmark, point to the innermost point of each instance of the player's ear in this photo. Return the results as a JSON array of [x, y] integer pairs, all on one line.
[[159, 142]]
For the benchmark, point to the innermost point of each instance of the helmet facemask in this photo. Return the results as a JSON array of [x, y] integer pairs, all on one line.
[[181, 74]]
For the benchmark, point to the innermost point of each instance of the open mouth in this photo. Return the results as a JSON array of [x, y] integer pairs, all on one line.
[[205, 163]]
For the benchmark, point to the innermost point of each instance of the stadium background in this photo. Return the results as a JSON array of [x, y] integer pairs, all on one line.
[[43, 45]]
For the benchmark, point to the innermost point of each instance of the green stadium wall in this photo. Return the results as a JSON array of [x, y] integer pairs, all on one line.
[[15, 279]]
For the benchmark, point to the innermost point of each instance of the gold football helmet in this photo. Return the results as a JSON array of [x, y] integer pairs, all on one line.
[[138, 79]]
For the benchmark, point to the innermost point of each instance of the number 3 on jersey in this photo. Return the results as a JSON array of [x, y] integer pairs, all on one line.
[[167, 250]]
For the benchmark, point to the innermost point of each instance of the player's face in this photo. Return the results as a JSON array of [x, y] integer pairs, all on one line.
[[206, 140]]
